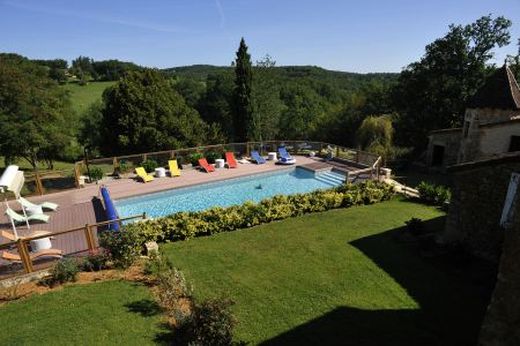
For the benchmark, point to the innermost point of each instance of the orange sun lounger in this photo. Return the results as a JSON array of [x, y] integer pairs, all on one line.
[[230, 160], [203, 163]]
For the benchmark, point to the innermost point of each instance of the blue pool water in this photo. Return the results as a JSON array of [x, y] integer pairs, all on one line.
[[228, 192]]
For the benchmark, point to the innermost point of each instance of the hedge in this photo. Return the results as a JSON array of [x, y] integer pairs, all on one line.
[[186, 225], [433, 194]]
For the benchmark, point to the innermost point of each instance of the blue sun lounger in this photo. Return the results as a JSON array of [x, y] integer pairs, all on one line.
[[285, 157], [283, 153], [255, 156]]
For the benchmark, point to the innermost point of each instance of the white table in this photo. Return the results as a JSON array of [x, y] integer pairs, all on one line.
[[160, 172], [220, 163], [272, 156], [34, 210]]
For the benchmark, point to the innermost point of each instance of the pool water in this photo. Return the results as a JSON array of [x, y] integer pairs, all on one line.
[[228, 192]]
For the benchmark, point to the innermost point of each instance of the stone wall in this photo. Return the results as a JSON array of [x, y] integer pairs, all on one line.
[[497, 138], [502, 322], [488, 115], [450, 140], [470, 140], [479, 192]]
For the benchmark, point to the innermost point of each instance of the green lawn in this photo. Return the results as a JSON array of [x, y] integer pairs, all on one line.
[[107, 313], [42, 166], [84, 96], [337, 277]]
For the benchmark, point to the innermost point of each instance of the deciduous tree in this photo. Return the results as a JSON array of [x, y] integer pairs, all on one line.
[[35, 112], [266, 103], [143, 112], [432, 93]]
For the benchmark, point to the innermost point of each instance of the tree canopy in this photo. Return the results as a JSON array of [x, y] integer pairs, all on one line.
[[143, 112], [34, 112], [432, 93]]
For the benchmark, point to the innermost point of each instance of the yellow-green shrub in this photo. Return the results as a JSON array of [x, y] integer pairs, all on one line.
[[186, 225]]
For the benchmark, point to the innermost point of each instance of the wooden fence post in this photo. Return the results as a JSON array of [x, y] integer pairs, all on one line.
[[115, 164], [145, 157], [77, 174], [144, 216], [337, 151], [172, 154], [89, 238], [23, 251], [39, 185]]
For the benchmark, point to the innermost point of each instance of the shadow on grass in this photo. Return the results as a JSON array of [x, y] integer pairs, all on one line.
[[452, 295], [166, 337], [144, 307], [352, 326]]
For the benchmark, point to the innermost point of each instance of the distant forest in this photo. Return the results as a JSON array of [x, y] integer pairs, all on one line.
[[151, 109]]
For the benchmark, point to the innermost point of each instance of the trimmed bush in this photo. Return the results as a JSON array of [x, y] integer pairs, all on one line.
[[124, 167], [211, 156], [194, 159], [123, 248], [186, 225], [434, 194], [149, 165], [172, 291], [95, 173], [95, 261], [65, 270], [210, 323]]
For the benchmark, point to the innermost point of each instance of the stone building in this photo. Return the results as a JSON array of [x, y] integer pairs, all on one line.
[[479, 194], [491, 125]]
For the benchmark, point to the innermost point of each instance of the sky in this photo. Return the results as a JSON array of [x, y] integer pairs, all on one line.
[[356, 36]]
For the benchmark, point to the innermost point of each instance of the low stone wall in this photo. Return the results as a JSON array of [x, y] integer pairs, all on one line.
[[479, 192]]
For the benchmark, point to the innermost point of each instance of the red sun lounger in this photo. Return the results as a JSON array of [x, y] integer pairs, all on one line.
[[203, 163], [230, 159]]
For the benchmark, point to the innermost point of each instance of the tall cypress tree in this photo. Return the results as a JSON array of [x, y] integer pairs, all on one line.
[[244, 126]]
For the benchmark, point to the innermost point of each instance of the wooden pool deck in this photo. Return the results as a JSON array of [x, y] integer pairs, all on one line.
[[79, 207]]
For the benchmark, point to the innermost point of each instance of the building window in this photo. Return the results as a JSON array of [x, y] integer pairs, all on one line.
[[466, 128], [514, 145], [438, 155]]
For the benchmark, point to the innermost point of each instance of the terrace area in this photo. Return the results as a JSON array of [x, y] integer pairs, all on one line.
[[83, 206]]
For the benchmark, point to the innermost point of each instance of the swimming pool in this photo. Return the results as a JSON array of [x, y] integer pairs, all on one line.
[[228, 192]]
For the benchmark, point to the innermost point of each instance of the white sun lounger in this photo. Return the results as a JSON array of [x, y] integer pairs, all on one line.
[[45, 205], [21, 219]]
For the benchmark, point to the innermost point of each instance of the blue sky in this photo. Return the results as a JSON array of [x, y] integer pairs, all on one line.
[[358, 36]]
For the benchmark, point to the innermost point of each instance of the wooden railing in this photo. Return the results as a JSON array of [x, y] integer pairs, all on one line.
[[111, 164], [22, 244]]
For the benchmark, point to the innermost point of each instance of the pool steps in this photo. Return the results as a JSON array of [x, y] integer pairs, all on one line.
[[330, 177]]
